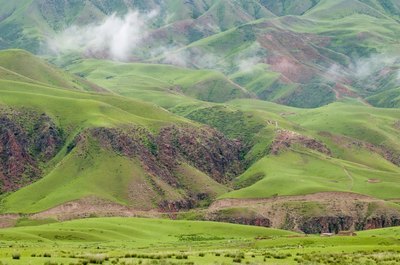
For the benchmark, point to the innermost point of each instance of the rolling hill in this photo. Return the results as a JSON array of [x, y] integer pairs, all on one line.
[[280, 114]]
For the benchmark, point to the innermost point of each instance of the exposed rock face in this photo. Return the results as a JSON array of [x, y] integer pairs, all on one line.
[[203, 148], [161, 156], [328, 212], [257, 221], [380, 221], [285, 139], [47, 138], [26, 140], [176, 206], [15, 160], [326, 224], [335, 224]]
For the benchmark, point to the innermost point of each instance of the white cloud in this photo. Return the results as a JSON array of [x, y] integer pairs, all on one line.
[[115, 38]]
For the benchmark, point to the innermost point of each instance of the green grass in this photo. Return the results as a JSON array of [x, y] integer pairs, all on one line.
[[94, 109], [24, 66], [161, 84], [136, 231], [296, 173], [99, 173], [156, 240]]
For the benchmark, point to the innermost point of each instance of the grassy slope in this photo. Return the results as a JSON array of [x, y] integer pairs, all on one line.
[[319, 174], [37, 71], [352, 30], [387, 99], [150, 82], [70, 176], [135, 230], [294, 173], [300, 171]]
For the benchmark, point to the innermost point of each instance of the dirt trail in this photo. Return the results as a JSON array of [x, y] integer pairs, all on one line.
[[350, 177]]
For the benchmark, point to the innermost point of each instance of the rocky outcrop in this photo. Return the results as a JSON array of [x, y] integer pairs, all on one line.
[[286, 139], [163, 155], [328, 212], [176, 206], [326, 224], [203, 148], [255, 221], [26, 140], [380, 221], [47, 137]]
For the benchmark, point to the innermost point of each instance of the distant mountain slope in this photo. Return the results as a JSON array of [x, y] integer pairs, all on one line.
[[117, 155], [147, 80], [25, 23], [313, 52], [19, 65]]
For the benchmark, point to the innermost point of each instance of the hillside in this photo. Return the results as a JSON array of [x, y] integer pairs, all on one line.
[[41, 137], [19, 65], [131, 240], [282, 114], [305, 54], [255, 150]]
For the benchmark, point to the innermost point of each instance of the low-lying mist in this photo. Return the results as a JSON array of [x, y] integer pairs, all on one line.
[[114, 38]]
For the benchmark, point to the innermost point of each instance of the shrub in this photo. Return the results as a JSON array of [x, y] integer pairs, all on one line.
[[16, 256], [237, 260]]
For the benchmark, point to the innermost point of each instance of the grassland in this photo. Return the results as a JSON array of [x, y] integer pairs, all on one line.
[[297, 171], [161, 84], [157, 241], [300, 171], [75, 111]]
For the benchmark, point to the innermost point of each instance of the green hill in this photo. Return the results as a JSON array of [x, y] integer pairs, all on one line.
[[279, 113], [19, 65], [82, 123]]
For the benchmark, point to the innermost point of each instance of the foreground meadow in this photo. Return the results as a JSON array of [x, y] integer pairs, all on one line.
[[158, 241]]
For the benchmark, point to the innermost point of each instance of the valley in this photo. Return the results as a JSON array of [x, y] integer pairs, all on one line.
[[203, 132]]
